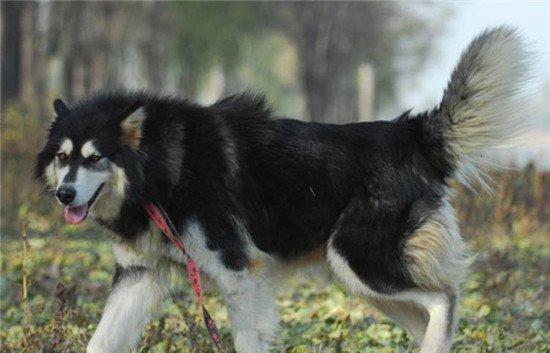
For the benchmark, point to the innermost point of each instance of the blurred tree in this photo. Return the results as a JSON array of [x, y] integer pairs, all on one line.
[[153, 44], [85, 46], [334, 38], [208, 34], [90, 39], [11, 49], [22, 46], [66, 29]]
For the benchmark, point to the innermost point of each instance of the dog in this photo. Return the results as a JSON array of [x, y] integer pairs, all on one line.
[[250, 191]]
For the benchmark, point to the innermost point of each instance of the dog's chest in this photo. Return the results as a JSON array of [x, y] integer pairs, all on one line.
[[149, 248]]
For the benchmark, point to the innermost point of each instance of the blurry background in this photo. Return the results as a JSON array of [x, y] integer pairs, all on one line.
[[335, 62]]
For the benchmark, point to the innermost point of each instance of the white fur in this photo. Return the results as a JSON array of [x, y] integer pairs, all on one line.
[[437, 338], [485, 105], [87, 182], [108, 203], [88, 149], [129, 307], [51, 175], [407, 313], [131, 304], [136, 298], [60, 174], [66, 146]]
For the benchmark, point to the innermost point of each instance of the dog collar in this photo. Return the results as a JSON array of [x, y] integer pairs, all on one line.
[[160, 218]]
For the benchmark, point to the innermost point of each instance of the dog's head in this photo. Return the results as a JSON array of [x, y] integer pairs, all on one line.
[[86, 157]]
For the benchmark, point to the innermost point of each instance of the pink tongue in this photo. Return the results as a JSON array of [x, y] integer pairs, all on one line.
[[75, 215]]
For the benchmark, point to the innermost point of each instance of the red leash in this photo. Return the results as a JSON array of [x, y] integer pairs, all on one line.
[[161, 219]]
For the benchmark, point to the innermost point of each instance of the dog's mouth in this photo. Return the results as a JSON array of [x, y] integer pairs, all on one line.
[[77, 214]]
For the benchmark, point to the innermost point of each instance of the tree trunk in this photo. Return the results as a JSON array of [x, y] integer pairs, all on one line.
[[27, 58], [328, 73], [32, 57], [154, 47], [40, 62], [68, 68], [70, 46], [11, 50]]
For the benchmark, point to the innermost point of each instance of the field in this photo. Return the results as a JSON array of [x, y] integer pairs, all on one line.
[[54, 285]]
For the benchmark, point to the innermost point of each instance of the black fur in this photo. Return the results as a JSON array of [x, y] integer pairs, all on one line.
[[60, 107], [293, 184], [125, 272]]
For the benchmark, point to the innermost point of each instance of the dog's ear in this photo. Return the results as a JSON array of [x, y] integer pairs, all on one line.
[[60, 108], [132, 126]]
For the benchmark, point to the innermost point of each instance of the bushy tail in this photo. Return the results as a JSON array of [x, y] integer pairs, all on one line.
[[485, 104]]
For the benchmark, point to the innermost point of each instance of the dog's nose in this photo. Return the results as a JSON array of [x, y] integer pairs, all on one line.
[[66, 194]]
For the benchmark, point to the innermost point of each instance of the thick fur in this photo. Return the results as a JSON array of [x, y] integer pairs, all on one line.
[[251, 191], [485, 105]]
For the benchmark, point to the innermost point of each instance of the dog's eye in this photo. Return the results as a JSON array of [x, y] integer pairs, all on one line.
[[95, 158], [62, 156]]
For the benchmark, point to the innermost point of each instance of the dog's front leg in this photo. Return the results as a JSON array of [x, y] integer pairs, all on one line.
[[250, 303], [136, 294], [240, 297]]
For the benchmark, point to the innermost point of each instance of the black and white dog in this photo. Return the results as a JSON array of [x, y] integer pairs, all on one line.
[[250, 191]]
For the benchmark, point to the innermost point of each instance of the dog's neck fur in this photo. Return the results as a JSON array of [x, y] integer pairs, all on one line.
[[188, 153]]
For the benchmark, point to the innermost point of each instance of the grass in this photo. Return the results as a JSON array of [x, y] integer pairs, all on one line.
[[504, 307]]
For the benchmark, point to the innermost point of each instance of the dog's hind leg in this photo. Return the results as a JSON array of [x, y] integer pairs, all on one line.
[[412, 316], [378, 260], [436, 258], [441, 307]]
